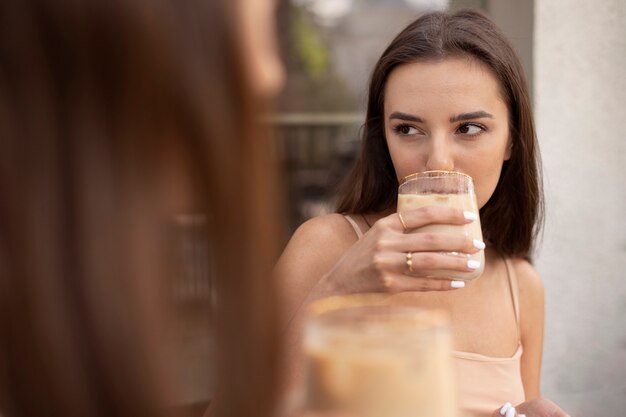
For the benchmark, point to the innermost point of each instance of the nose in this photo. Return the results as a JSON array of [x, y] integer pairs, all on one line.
[[440, 156]]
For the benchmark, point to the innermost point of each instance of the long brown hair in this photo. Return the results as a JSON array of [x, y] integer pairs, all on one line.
[[512, 217], [116, 115]]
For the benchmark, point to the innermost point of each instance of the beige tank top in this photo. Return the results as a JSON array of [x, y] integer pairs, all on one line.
[[485, 382]]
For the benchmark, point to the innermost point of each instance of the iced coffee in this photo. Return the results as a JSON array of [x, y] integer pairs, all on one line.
[[380, 360], [444, 188]]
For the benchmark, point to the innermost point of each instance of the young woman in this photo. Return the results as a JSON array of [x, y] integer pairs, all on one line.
[[448, 93]]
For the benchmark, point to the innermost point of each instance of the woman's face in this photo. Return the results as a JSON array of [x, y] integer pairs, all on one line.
[[258, 29], [447, 115]]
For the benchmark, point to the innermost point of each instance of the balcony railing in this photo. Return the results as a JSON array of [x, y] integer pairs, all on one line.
[[316, 151]]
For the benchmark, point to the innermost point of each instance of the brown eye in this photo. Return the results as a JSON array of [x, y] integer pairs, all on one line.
[[470, 129], [405, 130]]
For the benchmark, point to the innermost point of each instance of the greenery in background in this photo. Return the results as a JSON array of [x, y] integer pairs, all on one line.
[[308, 45], [312, 85]]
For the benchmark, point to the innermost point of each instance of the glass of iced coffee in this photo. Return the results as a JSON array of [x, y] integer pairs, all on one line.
[[366, 358], [444, 188]]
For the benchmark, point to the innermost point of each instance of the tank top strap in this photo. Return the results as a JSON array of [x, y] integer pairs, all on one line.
[[355, 226], [514, 288]]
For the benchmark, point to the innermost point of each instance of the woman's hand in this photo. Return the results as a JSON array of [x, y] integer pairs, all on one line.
[[322, 259], [388, 259], [534, 408]]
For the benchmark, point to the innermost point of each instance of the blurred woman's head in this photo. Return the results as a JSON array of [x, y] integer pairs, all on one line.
[[116, 115], [258, 23], [470, 36]]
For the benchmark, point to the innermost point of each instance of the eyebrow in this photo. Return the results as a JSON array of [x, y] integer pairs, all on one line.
[[469, 116], [405, 116], [463, 116]]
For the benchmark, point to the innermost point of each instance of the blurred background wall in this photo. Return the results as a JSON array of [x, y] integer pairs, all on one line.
[[574, 52], [580, 104]]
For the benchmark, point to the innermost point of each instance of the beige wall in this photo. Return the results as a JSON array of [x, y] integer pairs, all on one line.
[[515, 18], [580, 98]]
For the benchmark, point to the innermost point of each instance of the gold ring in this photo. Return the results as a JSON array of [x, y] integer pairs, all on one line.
[[409, 261], [406, 229]]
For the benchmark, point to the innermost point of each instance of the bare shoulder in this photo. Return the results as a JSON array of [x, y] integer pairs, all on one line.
[[531, 296], [317, 244], [529, 281], [329, 228]]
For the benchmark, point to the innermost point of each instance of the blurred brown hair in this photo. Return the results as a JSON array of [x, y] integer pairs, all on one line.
[[511, 219], [116, 115]]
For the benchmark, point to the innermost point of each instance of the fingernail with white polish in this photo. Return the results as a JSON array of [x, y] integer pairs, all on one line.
[[510, 412], [470, 216], [457, 284], [505, 408], [479, 244], [473, 264]]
